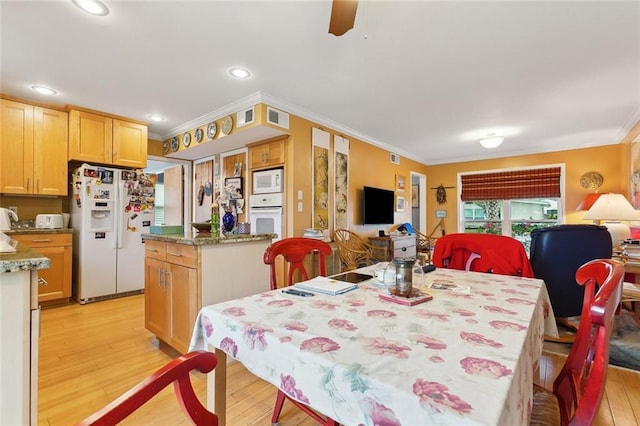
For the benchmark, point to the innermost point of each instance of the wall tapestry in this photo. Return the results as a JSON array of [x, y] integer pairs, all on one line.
[[320, 186], [341, 194]]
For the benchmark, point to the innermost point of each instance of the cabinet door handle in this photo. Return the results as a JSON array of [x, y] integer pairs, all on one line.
[[153, 250], [404, 249], [41, 240], [28, 182], [161, 277], [42, 281], [175, 254], [38, 186]]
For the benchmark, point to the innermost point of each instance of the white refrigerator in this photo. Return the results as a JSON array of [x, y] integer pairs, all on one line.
[[110, 209]]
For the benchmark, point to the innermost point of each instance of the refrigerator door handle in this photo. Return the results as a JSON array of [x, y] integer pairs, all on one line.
[[120, 216]]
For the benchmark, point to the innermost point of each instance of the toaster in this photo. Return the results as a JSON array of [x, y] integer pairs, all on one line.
[[49, 221]]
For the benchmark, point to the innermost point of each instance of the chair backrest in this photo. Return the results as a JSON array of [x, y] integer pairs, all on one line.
[[352, 250], [580, 385], [176, 372], [497, 254], [557, 252], [294, 250]]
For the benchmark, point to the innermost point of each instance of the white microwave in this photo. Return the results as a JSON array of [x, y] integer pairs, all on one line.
[[267, 181]]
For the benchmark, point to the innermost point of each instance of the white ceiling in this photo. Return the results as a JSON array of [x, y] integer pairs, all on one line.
[[424, 79]]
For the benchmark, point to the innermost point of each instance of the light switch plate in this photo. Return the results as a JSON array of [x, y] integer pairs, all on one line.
[[299, 194], [299, 206]]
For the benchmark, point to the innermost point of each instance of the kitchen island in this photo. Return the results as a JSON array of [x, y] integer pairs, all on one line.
[[183, 273], [19, 330]]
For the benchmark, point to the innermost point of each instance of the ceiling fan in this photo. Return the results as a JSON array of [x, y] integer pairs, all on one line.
[[343, 15]]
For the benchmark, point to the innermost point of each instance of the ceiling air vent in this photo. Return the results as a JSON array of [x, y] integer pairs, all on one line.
[[278, 118], [395, 158], [244, 117]]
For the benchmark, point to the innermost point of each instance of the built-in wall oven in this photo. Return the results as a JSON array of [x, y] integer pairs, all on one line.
[[265, 212]]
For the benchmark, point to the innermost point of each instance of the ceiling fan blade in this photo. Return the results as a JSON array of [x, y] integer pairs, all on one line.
[[343, 15]]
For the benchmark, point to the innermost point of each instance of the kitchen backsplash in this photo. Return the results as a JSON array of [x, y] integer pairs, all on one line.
[[29, 207]]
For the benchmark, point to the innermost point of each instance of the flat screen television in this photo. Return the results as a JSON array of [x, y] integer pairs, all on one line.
[[377, 206]]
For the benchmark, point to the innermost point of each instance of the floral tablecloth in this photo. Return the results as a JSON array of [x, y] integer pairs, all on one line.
[[461, 358]]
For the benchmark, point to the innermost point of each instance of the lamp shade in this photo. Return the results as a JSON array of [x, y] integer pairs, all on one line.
[[588, 201], [612, 207]]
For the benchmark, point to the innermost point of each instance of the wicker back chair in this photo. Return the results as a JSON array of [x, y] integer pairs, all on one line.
[[426, 243], [354, 252]]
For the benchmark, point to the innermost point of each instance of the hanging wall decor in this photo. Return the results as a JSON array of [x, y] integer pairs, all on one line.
[[341, 176], [320, 184]]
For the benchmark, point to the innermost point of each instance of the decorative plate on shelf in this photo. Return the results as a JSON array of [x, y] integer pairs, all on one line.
[[175, 144], [591, 180], [211, 130], [227, 125], [186, 139], [166, 146], [198, 135]]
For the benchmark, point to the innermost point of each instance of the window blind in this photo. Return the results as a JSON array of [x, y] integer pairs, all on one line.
[[530, 183]]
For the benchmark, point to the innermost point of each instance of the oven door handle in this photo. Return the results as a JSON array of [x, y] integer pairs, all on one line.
[[263, 211]]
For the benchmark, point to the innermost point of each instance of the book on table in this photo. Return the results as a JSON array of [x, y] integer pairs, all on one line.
[[326, 285], [407, 301]]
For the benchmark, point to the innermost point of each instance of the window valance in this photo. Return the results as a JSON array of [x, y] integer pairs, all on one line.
[[529, 183]]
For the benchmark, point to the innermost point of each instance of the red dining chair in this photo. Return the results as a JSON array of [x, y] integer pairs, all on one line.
[[294, 250], [176, 372], [498, 254], [578, 389]]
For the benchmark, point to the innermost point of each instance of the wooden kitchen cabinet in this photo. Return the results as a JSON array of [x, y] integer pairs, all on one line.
[[102, 139], [33, 145], [267, 154], [55, 282], [171, 292], [181, 278]]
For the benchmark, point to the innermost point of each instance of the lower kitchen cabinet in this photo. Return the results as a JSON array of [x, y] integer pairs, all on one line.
[[54, 283], [181, 278], [171, 292]]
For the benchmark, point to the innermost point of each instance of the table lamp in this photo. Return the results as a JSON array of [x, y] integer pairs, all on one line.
[[612, 208]]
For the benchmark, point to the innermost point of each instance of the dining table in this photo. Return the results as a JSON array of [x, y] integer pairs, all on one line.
[[467, 356]]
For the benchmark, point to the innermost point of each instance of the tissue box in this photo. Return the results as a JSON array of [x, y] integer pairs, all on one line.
[[167, 229]]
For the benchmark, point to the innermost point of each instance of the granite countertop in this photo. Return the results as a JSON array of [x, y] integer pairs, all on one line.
[[194, 239], [24, 259], [21, 231]]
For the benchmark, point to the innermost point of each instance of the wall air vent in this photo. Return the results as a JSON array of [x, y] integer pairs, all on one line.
[[245, 117], [395, 158], [278, 118]]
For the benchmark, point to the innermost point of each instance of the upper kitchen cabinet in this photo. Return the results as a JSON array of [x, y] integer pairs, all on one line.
[[102, 139], [267, 154], [33, 148]]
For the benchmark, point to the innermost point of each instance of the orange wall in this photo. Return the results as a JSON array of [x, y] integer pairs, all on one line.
[[368, 165], [607, 160]]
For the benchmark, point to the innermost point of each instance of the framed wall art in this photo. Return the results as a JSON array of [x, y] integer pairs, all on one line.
[[400, 203], [236, 182], [400, 183], [415, 196]]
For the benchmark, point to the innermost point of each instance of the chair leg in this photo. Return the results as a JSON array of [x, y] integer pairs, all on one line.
[[570, 338], [278, 407]]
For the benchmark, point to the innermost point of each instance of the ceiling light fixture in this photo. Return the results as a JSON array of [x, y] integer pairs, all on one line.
[[43, 90], [94, 7], [239, 73], [155, 117], [491, 141]]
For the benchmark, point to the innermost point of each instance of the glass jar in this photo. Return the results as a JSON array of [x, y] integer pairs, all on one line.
[[404, 275]]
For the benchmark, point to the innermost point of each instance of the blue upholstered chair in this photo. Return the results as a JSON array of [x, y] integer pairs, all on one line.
[[556, 254]]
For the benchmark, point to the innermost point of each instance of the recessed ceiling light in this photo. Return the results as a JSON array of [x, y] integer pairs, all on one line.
[[43, 90], [94, 7], [155, 117], [239, 73]]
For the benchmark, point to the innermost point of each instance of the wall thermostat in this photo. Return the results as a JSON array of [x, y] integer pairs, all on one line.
[[441, 213]]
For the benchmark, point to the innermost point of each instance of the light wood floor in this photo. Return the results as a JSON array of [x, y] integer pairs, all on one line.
[[91, 354]]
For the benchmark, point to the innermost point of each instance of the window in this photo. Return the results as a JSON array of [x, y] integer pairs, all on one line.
[[511, 203]]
